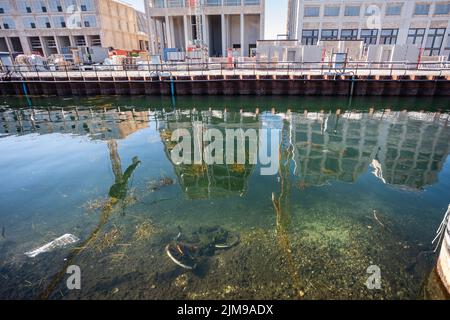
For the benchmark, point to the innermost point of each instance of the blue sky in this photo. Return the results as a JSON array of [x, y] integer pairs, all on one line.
[[276, 16]]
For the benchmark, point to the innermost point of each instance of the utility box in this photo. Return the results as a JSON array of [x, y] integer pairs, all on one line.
[[88, 55], [352, 48], [311, 53], [5, 60], [386, 54]]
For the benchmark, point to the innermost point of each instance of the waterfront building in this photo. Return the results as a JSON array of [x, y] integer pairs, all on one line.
[[217, 25], [422, 23], [50, 26]]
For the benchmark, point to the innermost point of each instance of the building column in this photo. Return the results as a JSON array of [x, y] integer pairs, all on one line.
[[9, 44], [186, 31], [205, 30], [261, 26], [168, 33], [58, 44], [25, 45], [152, 35], [224, 36], [44, 46], [172, 34], [242, 35]]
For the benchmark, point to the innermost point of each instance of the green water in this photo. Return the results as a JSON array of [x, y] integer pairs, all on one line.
[[361, 183]]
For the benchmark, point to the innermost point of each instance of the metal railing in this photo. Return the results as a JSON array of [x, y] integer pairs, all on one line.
[[260, 68]]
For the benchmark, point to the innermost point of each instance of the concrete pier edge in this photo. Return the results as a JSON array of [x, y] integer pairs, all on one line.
[[407, 85]]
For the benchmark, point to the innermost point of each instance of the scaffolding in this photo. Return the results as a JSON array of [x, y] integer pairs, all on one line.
[[196, 10]]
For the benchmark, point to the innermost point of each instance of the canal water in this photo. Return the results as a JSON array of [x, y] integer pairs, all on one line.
[[361, 188]]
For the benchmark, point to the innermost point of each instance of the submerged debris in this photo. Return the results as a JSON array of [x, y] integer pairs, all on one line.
[[95, 205], [108, 240], [182, 255], [155, 185], [376, 218], [60, 242], [185, 250], [181, 281], [145, 230], [237, 168]]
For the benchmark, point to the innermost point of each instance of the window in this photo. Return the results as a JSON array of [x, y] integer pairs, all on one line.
[[422, 9], [332, 11], [71, 4], [447, 48], [54, 4], [22, 6], [310, 36], [415, 36], [59, 22], [90, 21], [312, 11], [87, 5], [43, 22], [442, 8], [37, 5], [8, 23], [434, 41], [372, 10], [29, 23], [329, 34], [369, 36], [4, 7], [352, 11], [388, 36], [349, 34], [393, 9], [28, 9]]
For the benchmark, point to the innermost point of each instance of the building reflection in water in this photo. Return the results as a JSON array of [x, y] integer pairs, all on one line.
[[401, 148], [98, 124], [202, 181]]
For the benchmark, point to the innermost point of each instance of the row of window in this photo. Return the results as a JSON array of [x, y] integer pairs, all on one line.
[[432, 45], [392, 9], [87, 21], [209, 3], [42, 6]]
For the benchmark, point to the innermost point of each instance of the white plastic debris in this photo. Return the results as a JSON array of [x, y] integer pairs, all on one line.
[[377, 170], [60, 242]]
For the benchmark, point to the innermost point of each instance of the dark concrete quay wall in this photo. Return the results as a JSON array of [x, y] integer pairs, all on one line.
[[232, 85]]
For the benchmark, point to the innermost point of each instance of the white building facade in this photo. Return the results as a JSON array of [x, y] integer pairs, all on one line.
[[422, 23], [219, 24], [48, 26]]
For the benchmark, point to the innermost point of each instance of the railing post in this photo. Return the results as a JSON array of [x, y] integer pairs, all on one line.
[[37, 71]]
